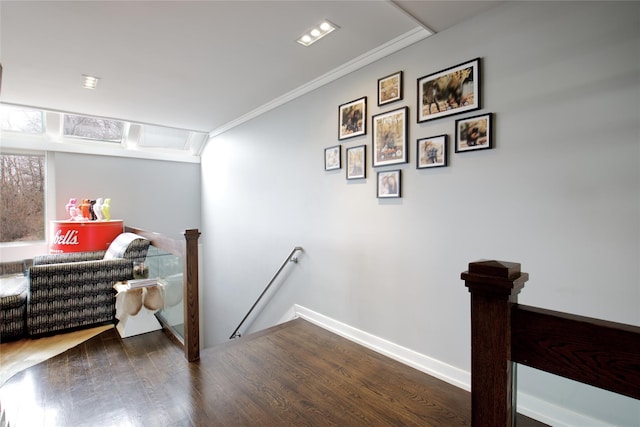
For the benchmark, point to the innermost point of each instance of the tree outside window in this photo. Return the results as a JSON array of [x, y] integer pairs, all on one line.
[[22, 197]]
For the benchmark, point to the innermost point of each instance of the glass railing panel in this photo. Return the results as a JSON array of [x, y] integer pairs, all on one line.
[[168, 269], [556, 400]]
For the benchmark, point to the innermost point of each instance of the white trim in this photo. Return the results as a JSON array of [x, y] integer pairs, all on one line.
[[410, 16], [355, 64], [553, 415], [40, 143], [531, 406]]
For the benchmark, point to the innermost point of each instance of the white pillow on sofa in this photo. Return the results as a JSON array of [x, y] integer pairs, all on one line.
[[118, 248]]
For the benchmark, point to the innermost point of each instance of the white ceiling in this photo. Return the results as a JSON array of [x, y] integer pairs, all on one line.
[[197, 65]]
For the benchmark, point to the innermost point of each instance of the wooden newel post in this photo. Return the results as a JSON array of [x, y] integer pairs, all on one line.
[[192, 313], [494, 287]]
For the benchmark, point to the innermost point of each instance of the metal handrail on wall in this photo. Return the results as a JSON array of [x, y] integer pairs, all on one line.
[[289, 258]]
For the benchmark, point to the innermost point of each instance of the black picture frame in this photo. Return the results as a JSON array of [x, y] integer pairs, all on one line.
[[390, 88], [356, 162], [332, 158], [389, 184], [352, 119], [389, 137], [431, 152], [474, 133], [454, 90]]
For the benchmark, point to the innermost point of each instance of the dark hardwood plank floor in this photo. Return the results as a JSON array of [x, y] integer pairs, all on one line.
[[293, 374]]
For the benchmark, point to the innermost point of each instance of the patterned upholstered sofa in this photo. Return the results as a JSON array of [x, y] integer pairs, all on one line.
[[13, 299], [13, 308], [75, 290]]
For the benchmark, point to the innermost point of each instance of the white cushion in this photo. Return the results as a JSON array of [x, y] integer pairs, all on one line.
[[118, 248]]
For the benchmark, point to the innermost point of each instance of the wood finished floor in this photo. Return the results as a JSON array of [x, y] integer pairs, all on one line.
[[293, 374]]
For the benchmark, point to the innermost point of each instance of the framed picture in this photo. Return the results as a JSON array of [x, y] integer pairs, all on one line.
[[390, 88], [431, 152], [390, 137], [332, 158], [388, 184], [356, 162], [474, 133], [352, 118], [451, 91]]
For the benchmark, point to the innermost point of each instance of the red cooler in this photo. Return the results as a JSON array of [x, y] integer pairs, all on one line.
[[81, 236]]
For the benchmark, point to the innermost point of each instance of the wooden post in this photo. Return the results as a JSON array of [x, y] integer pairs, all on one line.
[[192, 312], [494, 287]]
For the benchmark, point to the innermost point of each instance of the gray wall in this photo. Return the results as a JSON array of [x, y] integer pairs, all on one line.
[[155, 195], [560, 192]]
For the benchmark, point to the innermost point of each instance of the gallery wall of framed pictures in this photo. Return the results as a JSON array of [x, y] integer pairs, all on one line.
[[440, 94]]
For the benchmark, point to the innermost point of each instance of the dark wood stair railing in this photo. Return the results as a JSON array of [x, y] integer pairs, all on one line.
[[601, 353], [191, 297]]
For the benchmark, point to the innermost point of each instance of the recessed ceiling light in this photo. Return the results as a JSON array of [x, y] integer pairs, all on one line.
[[314, 34], [89, 82]]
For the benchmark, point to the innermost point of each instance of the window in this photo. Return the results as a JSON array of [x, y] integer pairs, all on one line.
[[28, 128], [22, 197], [93, 128], [18, 119], [163, 137]]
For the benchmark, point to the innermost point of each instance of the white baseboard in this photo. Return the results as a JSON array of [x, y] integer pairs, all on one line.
[[554, 415], [423, 363], [528, 405]]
